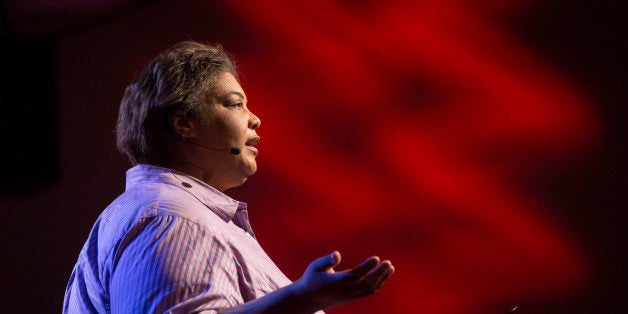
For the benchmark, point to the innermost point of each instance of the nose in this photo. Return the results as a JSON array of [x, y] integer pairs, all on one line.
[[254, 121]]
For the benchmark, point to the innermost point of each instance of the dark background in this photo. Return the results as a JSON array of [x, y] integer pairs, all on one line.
[[65, 66]]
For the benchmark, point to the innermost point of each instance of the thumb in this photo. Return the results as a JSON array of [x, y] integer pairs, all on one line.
[[326, 262]]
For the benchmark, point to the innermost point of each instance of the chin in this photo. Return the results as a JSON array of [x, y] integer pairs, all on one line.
[[241, 179], [250, 169]]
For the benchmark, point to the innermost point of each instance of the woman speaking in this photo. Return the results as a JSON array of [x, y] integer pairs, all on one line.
[[173, 241]]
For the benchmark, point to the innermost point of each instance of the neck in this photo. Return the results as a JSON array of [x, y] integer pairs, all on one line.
[[205, 175]]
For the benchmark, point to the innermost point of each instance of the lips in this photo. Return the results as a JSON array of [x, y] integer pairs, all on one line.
[[252, 142]]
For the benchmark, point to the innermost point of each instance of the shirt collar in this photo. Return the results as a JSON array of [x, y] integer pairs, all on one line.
[[221, 204]]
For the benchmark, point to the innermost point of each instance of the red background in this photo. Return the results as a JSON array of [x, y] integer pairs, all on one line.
[[476, 144]]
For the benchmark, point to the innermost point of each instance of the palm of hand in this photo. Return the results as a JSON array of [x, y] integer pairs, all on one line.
[[323, 287]]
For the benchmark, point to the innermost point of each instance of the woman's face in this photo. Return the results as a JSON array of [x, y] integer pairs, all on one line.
[[227, 123]]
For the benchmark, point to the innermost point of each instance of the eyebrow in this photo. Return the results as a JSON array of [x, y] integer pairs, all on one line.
[[232, 93]]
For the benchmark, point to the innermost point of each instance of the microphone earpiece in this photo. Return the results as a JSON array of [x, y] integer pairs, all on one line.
[[235, 151]]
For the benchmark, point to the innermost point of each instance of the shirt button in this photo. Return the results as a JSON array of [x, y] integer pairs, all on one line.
[[185, 184]]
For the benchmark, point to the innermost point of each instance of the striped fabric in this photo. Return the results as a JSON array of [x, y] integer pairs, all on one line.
[[170, 243]]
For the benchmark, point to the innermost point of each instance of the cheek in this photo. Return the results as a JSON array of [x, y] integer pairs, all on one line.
[[223, 129], [235, 127]]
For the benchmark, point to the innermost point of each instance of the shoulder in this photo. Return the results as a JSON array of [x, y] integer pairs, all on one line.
[[153, 199], [177, 201], [153, 202], [156, 219]]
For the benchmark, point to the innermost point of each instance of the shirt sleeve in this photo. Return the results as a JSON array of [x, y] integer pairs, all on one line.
[[170, 264]]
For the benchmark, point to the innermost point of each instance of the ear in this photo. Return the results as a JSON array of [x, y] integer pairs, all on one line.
[[183, 124]]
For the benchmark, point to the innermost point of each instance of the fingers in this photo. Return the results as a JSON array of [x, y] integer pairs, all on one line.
[[390, 269], [337, 258], [326, 262], [376, 277], [365, 267]]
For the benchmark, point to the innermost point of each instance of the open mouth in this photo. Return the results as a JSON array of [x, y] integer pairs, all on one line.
[[251, 143]]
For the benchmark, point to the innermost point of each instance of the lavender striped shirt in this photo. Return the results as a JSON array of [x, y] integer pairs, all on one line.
[[170, 243]]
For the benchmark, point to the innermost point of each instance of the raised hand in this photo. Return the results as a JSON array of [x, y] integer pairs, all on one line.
[[322, 287]]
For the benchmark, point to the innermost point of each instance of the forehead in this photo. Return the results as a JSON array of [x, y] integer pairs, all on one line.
[[227, 84]]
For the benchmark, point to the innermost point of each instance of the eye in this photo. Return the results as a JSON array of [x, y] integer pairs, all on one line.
[[235, 105]]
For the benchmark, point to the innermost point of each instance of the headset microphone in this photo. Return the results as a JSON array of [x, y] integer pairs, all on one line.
[[235, 151], [232, 150]]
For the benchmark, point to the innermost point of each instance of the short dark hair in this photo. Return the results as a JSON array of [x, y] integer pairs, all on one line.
[[179, 79]]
